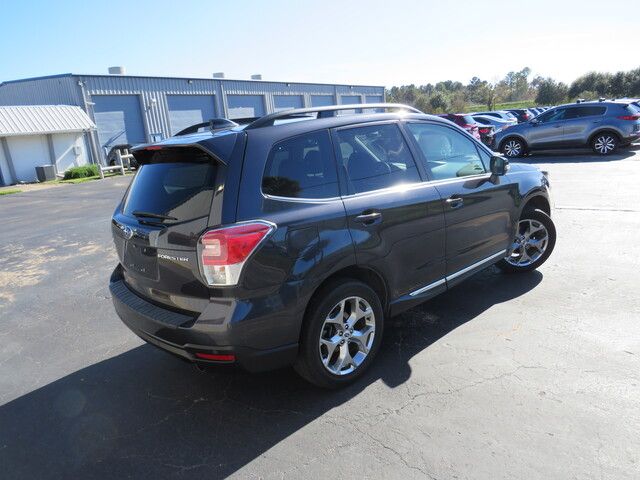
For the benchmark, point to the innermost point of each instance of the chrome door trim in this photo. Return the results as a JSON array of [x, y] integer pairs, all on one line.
[[435, 284], [501, 253], [455, 275]]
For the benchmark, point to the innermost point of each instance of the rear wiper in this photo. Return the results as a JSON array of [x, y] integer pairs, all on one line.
[[138, 213]]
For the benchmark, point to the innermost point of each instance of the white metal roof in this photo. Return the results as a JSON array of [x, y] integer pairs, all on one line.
[[42, 119]]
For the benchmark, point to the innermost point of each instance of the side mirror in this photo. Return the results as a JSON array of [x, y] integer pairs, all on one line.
[[498, 165]]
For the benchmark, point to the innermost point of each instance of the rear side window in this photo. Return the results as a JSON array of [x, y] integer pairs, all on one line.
[[376, 157], [579, 112], [301, 167], [173, 187], [465, 120]]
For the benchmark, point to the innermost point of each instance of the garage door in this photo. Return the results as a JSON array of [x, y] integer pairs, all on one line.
[[374, 99], [243, 106], [118, 119], [187, 110], [27, 153], [350, 100], [287, 102], [322, 100]]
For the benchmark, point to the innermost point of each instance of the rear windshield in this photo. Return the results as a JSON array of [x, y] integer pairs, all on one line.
[[179, 189], [465, 120]]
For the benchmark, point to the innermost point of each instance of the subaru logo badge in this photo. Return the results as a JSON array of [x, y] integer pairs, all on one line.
[[128, 232]]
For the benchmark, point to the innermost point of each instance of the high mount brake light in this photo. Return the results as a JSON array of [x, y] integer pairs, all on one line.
[[222, 252]]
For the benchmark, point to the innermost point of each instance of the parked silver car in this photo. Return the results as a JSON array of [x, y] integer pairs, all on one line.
[[503, 114], [603, 126], [498, 123]]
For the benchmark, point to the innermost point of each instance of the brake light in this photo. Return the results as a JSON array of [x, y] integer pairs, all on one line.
[[484, 130], [630, 117], [224, 251]]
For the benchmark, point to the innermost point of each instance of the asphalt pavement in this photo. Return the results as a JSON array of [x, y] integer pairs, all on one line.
[[515, 377]]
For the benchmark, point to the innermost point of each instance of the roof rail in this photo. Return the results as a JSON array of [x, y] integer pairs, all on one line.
[[323, 112]]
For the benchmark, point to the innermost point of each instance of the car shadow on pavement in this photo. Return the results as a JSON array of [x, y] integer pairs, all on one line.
[[144, 414], [577, 155]]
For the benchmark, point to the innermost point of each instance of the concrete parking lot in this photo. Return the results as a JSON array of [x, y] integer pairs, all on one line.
[[514, 377]]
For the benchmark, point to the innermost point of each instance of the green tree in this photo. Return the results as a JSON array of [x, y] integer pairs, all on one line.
[[515, 85], [592, 81], [439, 102], [618, 85], [551, 92]]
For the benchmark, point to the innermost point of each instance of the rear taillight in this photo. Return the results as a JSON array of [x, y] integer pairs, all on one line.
[[223, 251], [630, 117], [484, 130], [526, 116]]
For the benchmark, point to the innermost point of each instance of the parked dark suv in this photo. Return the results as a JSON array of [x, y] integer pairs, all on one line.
[[603, 126], [291, 239]]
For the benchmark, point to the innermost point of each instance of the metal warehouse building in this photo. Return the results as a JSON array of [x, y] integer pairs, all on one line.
[[131, 109]]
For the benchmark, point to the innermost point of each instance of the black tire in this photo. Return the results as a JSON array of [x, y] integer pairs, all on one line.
[[513, 147], [605, 143], [544, 219], [309, 364]]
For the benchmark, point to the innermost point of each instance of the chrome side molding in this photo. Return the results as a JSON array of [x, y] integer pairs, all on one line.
[[455, 275]]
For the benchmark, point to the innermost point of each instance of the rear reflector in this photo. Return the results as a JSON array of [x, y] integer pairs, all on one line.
[[216, 357], [223, 251]]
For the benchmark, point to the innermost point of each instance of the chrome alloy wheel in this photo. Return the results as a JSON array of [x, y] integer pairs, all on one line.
[[530, 243], [347, 335], [512, 148], [604, 144]]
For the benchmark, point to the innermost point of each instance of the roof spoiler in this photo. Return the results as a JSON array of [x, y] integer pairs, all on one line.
[[213, 124], [323, 112]]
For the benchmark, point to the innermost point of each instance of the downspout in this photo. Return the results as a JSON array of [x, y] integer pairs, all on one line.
[[95, 151], [7, 156]]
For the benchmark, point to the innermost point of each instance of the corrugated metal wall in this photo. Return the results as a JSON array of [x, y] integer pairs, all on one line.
[[153, 91], [55, 90]]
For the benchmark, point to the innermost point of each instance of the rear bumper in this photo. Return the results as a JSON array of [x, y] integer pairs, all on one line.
[[633, 137], [185, 336]]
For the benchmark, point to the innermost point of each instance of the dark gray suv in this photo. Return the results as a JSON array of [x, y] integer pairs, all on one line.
[[603, 126], [290, 242]]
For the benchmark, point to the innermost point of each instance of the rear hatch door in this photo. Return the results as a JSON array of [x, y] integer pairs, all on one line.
[[174, 197]]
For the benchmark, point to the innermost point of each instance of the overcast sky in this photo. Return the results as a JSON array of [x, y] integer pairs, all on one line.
[[361, 42]]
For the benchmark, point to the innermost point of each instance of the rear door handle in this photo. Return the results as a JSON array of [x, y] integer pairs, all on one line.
[[455, 202], [368, 218]]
